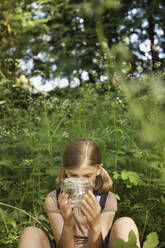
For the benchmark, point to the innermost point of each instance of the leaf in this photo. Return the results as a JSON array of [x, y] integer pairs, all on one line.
[[116, 175], [124, 175], [131, 243], [162, 199], [151, 241], [13, 223], [117, 197], [132, 176], [132, 239], [118, 243]]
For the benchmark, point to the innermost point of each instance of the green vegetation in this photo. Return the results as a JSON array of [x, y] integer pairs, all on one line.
[[129, 130], [151, 241], [120, 105]]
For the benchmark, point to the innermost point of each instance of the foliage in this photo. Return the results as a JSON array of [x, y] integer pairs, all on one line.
[[18, 25], [150, 242], [35, 128], [131, 243], [122, 114], [66, 38]]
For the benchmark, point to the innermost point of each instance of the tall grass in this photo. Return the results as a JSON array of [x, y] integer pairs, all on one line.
[[34, 137]]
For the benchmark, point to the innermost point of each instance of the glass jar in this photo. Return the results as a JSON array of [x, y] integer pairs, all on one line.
[[76, 188]]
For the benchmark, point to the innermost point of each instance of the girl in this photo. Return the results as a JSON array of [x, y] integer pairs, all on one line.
[[90, 225]]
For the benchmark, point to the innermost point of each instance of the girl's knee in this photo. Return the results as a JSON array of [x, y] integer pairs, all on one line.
[[122, 227], [33, 232], [124, 221], [33, 236]]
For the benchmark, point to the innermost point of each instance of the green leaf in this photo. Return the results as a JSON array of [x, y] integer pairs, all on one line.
[[131, 243], [118, 243], [162, 199], [132, 238], [116, 175], [124, 175], [151, 241], [132, 176]]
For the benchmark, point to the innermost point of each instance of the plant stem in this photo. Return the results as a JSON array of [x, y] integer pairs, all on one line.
[[26, 213], [145, 223], [4, 221]]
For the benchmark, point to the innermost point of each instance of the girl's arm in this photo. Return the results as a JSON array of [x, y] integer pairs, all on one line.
[[92, 210], [62, 224], [95, 239], [99, 223], [99, 233], [66, 239]]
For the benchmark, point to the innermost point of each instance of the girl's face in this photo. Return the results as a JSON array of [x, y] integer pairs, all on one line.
[[84, 171]]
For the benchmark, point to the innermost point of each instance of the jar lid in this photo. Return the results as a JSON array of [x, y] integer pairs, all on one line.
[[76, 182]]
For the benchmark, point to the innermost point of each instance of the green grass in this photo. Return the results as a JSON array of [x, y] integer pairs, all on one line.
[[126, 126]]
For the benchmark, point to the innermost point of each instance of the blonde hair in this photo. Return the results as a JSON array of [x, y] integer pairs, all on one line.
[[86, 151]]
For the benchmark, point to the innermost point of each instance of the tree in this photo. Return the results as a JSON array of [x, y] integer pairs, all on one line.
[[66, 38], [18, 26], [144, 24]]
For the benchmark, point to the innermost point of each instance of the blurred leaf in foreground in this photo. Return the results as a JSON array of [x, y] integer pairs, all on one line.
[[131, 243], [151, 240]]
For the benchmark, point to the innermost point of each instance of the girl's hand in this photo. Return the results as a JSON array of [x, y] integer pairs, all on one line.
[[92, 210], [66, 210]]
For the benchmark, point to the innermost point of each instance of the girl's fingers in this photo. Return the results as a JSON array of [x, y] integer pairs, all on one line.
[[88, 201], [68, 205], [92, 197], [61, 197], [63, 200], [86, 205], [91, 200], [86, 213], [65, 208]]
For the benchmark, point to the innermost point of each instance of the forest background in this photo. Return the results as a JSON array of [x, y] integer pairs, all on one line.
[[112, 56]]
